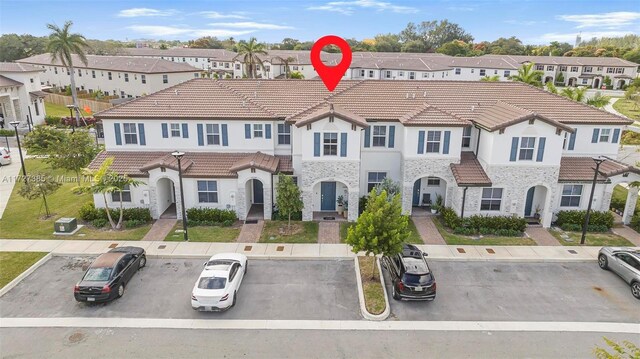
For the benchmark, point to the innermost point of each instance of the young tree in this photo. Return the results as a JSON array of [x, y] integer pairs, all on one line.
[[392, 188], [494, 78], [381, 229], [43, 139], [40, 186], [288, 198], [551, 87], [598, 100], [528, 75], [74, 152], [625, 350], [296, 75]]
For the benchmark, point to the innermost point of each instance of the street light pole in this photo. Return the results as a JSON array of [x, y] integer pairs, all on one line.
[[24, 170], [71, 107], [178, 155], [598, 161]]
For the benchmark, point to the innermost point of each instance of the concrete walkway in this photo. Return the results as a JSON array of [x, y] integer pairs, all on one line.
[[542, 236], [251, 232], [160, 229], [628, 233], [428, 231], [329, 232], [8, 178]]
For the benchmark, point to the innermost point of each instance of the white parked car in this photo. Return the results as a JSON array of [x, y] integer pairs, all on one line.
[[5, 157], [217, 286]]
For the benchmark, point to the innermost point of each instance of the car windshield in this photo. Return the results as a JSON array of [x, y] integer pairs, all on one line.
[[212, 283], [98, 274], [416, 279], [415, 265]]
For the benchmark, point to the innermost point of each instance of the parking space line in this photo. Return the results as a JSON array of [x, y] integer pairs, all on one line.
[[156, 323]]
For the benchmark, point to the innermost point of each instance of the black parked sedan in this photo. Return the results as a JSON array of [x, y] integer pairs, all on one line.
[[410, 275], [109, 274]]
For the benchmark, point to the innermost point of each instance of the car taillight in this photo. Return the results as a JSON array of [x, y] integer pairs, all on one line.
[[193, 297], [434, 285], [7, 156], [76, 289], [400, 286], [224, 297], [106, 289]]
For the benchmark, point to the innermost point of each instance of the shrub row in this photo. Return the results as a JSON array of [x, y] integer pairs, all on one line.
[[571, 227], [617, 203], [635, 222], [510, 226], [89, 213], [598, 219], [283, 217], [211, 217]]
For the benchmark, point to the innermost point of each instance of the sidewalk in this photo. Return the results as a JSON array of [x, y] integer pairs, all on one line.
[[8, 176], [299, 251]]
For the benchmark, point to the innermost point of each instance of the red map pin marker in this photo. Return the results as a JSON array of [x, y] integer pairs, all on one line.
[[331, 75]]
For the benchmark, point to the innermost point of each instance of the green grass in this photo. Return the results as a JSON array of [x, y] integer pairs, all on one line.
[[414, 236], [373, 293], [620, 193], [14, 263], [24, 218], [303, 232], [627, 108], [630, 138], [455, 239], [52, 109], [592, 239], [204, 234]]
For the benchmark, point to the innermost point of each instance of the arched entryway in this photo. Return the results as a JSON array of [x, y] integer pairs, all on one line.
[[426, 193], [623, 201], [331, 199], [548, 79], [596, 83], [166, 198], [621, 84], [534, 203], [254, 197], [572, 81]]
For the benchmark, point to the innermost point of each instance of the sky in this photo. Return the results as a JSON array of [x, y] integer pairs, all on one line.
[[532, 21]]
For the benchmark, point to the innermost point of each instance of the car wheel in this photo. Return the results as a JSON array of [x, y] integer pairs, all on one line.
[[602, 261], [234, 299], [143, 262], [635, 289], [120, 290], [395, 294]]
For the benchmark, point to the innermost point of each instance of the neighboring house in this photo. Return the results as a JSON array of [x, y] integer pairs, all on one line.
[[21, 95], [215, 60], [500, 148], [121, 76]]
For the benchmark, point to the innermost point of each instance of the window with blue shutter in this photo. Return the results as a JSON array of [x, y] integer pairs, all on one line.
[[165, 130], [616, 135], [572, 139], [367, 137], [343, 144], [541, 142], [225, 135], [420, 142], [247, 130], [392, 136], [200, 134], [445, 145], [596, 134], [316, 144], [185, 130], [116, 128], [143, 140], [514, 149], [267, 131]]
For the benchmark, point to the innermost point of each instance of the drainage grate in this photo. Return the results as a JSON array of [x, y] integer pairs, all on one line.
[[461, 250], [247, 248], [251, 221], [329, 218], [490, 251], [280, 249], [113, 245], [162, 246], [572, 251]]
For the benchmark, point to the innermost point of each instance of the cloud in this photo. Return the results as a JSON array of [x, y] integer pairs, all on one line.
[[218, 15], [174, 31], [349, 7], [611, 20], [571, 37], [461, 8], [145, 12], [524, 22], [251, 25]]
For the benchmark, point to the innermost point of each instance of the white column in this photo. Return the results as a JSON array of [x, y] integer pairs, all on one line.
[[630, 206]]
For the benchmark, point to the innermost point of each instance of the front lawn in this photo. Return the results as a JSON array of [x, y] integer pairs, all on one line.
[[14, 263], [414, 237], [204, 233], [592, 239], [456, 239], [302, 232], [24, 218], [373, 293], [55, 110], [627, 108]]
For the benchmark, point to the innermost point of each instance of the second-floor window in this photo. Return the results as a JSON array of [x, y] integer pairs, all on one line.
[[571, 194], [374, 179], [93, 73], [507, 73], [550, 68], [143, 78], [491, 199], [466, 137], [540, 67], [483, 72], [563, 68], [109, 75], [574, 68], [213, 134], [587, 69], [458, 70], [387, 74], [165, 79], [257, 130], [433, 141], [370, 73], [527, 145], [126, 77], [362, 73], [175, 130], [330, 143], [130, 133], [284, 134], [412, 75], [379, 136], [208, 191]]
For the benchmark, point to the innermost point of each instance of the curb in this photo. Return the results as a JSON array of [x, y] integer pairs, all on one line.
[[25, 274], [363, 307]]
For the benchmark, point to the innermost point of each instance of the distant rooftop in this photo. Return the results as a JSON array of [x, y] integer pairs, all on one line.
[[18, 67]]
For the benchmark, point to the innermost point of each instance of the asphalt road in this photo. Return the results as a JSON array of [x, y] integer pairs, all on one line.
[[507, 291], [169, 343], [280, 289]]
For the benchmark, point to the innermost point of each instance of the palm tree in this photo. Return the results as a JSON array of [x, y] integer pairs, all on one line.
[[528, 75], [62, 45], [568, 92], [495, 78], [574, 93], [551, 87], [598, 100], [286, 62], [249, 52]]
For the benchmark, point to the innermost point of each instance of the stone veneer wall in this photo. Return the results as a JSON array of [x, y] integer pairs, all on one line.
[[347, 172], [426, 167]]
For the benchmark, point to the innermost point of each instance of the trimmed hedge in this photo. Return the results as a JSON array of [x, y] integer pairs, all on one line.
[[282, 217], [211, 217], [571, 227], [597, 220], [89, 213], [507, 226]]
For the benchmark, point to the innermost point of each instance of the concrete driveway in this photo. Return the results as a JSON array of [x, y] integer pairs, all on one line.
[[272, 289], [502, 291]]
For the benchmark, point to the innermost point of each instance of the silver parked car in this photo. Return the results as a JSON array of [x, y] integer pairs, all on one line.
[[625, 262]]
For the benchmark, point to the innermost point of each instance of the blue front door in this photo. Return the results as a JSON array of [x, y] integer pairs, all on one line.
[[328, 196], [416, 192], [529, 202], [258, 194]]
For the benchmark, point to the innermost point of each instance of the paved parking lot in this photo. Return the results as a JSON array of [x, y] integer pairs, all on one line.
[[272, 289], [506, 291]]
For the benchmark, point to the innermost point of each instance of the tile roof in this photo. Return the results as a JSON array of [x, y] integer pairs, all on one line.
[[429, 115], [144, 65], [257, 160], [581, 169], [564, 60], [6, 82], [18, 67], [213, 54], [503, 114], [194, 164], [469, 172], [399, 63], [322, 110], [478, 62], [300, 57]]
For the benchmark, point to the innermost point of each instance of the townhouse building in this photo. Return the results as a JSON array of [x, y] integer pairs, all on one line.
[[21, 95], [122, 76], [219, 61], [490, 148]]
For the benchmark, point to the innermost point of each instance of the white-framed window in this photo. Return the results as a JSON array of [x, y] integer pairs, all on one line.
[[483, 72], [605, 135], [466, 137], [126, 77], [375, 178], [130, 133], [550, 68], [379, 136], [93, 74], [527, 146], [491, 199], [165, 79], [257, 130], [425, 75], [126, 194], [387, 74], [473, 70], [584, 81], [587, 69], [540, 67], [507, 73], [226, 66], [284, 134], [362, 71], [175, 130], [370, 73], [213, 134], [412, 75], [208, 191], [109, 75], [433, 141], [143, 78], [574, 68], [571, 194], [196, 75], [55, 70], [565, 141], [330, 143], [295, 68], [563, 68], [267, 68], [433, 182]]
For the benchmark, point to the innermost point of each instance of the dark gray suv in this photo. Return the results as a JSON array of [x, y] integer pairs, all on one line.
[[411, 277]]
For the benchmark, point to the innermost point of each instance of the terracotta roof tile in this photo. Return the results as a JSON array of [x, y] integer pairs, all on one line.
[[213, 54], [5, 82], [257, 160], [322, 110], [581, 169], [18, 67], [469, 171], [503, 114], [429, 115]]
